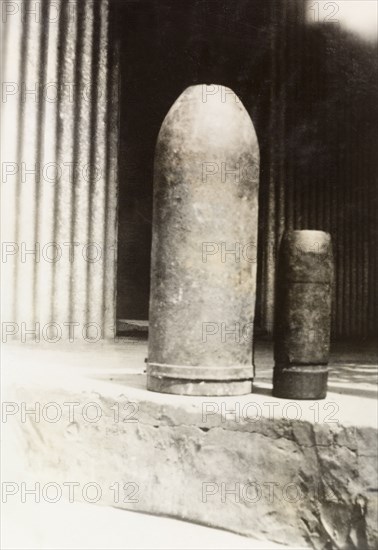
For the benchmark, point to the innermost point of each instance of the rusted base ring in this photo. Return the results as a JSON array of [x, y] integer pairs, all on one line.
[[181, 386], [300, 382], [199, 372]]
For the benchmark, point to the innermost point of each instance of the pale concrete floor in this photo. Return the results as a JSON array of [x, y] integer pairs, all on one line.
[[353, 378], [86, 526], [353, 366]]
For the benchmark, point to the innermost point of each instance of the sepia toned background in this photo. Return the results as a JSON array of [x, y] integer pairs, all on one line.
[[308, 80]]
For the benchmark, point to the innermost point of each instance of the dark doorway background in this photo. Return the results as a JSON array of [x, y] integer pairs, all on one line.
[[311, 92], [165, 47]]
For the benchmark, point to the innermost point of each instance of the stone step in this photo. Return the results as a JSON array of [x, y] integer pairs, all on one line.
[[294, 473]]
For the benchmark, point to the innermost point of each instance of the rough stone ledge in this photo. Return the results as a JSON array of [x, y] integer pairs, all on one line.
[[295, 482]]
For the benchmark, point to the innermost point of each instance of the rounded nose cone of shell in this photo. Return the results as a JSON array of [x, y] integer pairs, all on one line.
[[210, 116]]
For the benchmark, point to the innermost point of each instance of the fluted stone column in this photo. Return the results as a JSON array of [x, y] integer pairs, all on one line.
[[303, 315], [60, 108], [203, 274]]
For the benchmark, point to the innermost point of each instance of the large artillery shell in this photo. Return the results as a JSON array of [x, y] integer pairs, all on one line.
[[203, 273], [303, 315]]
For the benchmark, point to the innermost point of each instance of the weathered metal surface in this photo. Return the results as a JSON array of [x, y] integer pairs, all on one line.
[[303, 315], [203, 273]]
